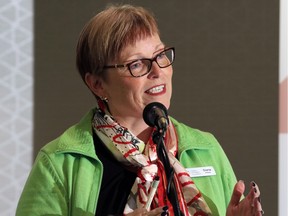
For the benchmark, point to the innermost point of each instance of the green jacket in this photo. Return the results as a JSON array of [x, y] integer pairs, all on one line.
[[66, 176]]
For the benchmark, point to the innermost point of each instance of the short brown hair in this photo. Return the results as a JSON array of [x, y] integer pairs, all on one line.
[[106, 34]]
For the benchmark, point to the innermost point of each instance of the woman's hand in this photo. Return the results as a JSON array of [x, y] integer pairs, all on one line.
[[160, 211], [249, 206]]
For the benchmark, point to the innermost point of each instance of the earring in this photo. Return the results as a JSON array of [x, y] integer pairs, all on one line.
[[105, 99]]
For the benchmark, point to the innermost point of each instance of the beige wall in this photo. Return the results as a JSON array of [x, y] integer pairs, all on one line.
[[225, 76]]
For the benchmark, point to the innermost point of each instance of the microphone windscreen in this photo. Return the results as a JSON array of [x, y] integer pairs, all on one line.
[[152, 112]]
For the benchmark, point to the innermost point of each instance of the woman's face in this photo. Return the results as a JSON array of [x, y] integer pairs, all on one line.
[[129, 95]]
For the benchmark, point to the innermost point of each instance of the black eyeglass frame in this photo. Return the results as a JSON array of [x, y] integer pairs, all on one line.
[[150, 60]]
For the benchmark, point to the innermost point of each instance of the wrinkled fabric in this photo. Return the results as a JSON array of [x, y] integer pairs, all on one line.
[[66, 176]]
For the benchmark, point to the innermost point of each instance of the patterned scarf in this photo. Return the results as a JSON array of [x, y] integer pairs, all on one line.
[[137, 155]]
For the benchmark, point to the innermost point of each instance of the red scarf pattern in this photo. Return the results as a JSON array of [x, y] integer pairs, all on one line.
[[133, 152]]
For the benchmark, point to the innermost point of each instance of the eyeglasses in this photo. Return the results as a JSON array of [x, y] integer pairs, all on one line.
[[141, 67]]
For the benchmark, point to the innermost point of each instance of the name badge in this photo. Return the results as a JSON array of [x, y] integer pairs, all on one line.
[[201, 171]]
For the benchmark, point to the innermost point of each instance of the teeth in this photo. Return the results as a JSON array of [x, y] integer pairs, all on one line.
[[156, 89]]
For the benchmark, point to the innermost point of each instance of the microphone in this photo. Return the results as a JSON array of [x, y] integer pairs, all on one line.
[[155, 115]]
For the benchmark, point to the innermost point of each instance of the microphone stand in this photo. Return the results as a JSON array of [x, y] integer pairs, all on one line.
[[158, 139]]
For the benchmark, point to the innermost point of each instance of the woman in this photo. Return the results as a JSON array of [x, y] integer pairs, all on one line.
[[107, 163]]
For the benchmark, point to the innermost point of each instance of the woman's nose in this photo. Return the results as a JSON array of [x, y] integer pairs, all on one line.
[[155, 71]]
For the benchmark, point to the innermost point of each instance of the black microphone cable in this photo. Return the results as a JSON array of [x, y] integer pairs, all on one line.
[[171, 192]]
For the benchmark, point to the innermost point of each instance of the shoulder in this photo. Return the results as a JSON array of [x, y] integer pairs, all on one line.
[[76, 139], [193, 138], [59, 157]]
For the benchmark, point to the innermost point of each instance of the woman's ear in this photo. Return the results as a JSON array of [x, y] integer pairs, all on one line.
[[94, 83]]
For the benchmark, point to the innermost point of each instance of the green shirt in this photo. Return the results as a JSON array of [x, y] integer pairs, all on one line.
[[66, 176]]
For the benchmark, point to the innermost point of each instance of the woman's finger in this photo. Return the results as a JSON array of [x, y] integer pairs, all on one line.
[[258, 207], [238, 191], [159, 211]]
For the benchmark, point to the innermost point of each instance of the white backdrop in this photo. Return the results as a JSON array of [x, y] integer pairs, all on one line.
[[283, 146], [16, 99]]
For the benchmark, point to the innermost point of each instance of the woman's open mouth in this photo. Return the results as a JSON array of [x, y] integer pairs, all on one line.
[[156, 90]]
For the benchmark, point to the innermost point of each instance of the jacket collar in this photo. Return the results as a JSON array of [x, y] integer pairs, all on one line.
[[79, 138], [189, 138]]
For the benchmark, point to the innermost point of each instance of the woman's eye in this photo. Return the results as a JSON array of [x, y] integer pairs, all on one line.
[[161, 55], [136, 65]]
